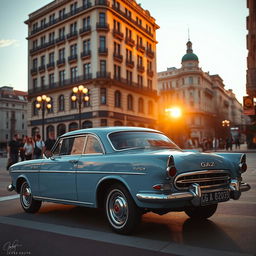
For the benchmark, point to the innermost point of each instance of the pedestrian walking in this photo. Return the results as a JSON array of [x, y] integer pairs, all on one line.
[[13, 151], [22, 152], [39, 147], [49, 143], [28, 148]]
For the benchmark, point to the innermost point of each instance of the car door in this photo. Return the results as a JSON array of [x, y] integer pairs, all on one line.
[[57, 178]]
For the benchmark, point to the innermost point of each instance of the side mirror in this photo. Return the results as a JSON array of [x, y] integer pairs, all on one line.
[[48, 154]]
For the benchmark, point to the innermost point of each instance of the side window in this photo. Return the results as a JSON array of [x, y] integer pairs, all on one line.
[[78, 146], [93, 146], [57, 149], [67, 146]]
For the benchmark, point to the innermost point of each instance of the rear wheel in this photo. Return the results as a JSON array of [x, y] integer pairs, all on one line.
[[26, 199], [201, 212], [122, 213]]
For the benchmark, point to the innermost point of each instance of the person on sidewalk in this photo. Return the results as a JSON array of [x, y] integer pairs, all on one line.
[[28, 148], [50, 142], [13, 151], [39, 147]]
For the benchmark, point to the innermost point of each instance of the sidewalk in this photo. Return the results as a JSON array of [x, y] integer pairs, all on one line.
[[243, 149]]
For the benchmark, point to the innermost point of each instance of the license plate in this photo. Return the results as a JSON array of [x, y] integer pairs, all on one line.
[[214, 197]]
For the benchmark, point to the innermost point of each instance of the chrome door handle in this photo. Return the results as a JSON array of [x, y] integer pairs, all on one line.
[[73, 161]]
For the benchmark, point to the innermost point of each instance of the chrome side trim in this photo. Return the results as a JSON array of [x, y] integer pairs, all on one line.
[[25, 171], [61, 200]]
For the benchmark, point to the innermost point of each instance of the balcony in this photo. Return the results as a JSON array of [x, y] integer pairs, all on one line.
[[150, 72], [118, 57], [72, 35], [50, 65], [41, 68], [103, 51], [33, 71], [140, 68], [140, 48], [87, 76], [118, 34], [150, 53], [102, 2], [72, 58], [129, 41], [129, 63], [61, 62], [103, 74], [85, 30], [85, 54], [60, 40], [102, 26]]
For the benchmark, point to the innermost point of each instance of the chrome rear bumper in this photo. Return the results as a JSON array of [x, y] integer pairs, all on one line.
[[194, 194]]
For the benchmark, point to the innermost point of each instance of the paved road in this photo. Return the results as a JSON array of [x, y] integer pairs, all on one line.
[[70, 230]]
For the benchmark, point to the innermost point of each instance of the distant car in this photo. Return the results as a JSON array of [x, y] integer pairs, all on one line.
[[129, 171]]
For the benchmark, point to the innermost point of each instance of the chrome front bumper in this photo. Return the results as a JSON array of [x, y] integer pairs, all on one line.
[[194, 194]]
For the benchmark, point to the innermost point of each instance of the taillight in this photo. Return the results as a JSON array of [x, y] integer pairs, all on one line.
[[171, 169]]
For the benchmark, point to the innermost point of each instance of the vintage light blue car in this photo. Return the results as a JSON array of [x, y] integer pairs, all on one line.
[[129, 171]]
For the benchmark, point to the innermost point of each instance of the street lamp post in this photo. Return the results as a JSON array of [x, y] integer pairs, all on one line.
[[43, 102], [80, 94]]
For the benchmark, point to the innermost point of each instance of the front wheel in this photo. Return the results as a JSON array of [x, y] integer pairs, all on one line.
[[26, 199], [201, 212], [122, 213]]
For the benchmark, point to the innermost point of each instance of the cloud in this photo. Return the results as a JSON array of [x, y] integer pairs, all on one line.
[[8, 42]]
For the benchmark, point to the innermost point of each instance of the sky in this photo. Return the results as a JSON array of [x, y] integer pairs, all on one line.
[[217, 30]]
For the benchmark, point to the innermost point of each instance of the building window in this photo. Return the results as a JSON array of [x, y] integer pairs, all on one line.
[[73, 28], [52, 18], [73, 50], [128, 33], [43, 22], [61, 129], [128, 13], [62, 77], [129, 102], [102, 43], [190, 80], [128, 55], [62, 32], [117, 72], [42, 82], [42, 39], [62, 13], [87, 46], [73, 126], [73, 104], [150, 84], [51, 57], [139, 60], [118, 97], [51, 80], [50, 110], [116, 4], [140, 80], [61, 103], [86, 22], [34, 83], [35, 63], [62, 54], [43, 60], [117, 26], [129, 77], [102, 18], [87, 124], [117, 49], [87, 70], [34, 108], [51, 37], [103, 122], [141, 105], [103, 96], [103, 66], [73, 74], [73, 8]]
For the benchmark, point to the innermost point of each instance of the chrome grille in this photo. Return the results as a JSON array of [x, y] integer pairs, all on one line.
[[206, 179]]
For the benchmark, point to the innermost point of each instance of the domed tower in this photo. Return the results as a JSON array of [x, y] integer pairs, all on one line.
[[189, 59]]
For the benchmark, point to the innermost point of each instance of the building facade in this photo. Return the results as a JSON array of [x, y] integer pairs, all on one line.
[[251, 46], [202, 97], [107, 46], [13, 114]]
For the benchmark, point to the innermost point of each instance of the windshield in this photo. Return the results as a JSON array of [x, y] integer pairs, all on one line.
[[144, 140]]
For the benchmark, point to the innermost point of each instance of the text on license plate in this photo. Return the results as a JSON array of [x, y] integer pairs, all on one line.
[[214, 197]]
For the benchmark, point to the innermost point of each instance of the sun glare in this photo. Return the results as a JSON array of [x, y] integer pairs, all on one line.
[[174, 112]]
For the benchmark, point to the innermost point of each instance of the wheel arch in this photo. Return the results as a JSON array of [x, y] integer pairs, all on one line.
[[19, 182], [104, 185]]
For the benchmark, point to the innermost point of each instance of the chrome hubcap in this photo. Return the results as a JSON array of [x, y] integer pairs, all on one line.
[[26, 195], [117, 208]]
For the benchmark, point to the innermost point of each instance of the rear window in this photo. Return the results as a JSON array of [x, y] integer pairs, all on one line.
[[143, 140]]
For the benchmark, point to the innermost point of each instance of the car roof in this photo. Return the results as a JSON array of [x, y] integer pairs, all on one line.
[[107, 130]]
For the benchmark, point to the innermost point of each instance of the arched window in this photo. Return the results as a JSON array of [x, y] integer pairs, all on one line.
[[73, 104], [118, 97], [49, 129], [150, 108], [34, 131], [73, 126], [87, 124], [141, 105], [118, 123], [34, 109], [129, 102], [61, 129], [61, 103]]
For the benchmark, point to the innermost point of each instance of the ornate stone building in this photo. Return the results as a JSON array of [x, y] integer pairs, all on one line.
[[108, 47], [202, 97]]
